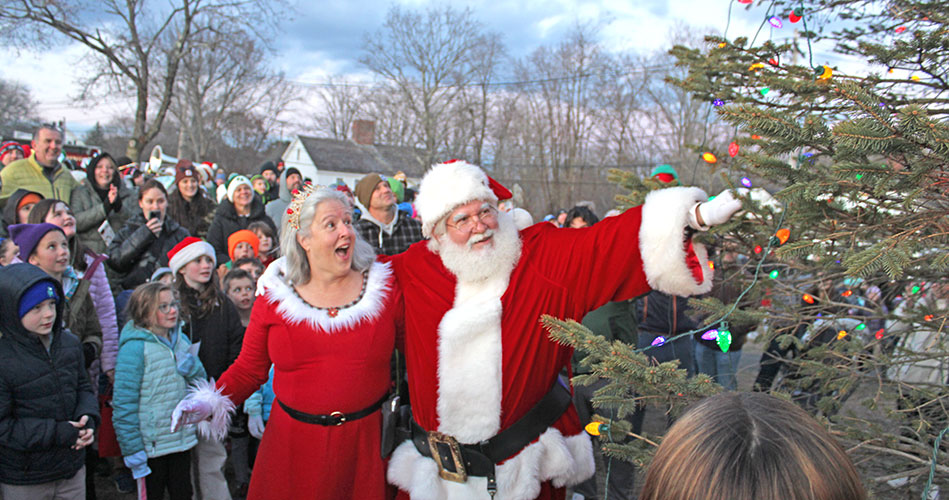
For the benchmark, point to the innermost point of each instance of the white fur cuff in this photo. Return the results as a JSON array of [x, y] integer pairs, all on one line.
[[665, 215], [221, 409]]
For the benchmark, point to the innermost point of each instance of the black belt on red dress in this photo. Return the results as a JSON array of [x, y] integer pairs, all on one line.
[[479, 459], [335, 418]]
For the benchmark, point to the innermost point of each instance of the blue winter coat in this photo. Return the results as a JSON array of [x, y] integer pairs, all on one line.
[[40, 390], [261, 400], [148, 386]]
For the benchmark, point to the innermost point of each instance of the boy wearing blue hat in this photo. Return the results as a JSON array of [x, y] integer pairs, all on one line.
[[48, 412]]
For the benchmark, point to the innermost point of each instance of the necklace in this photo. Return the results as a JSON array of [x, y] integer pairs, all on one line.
[[334, 311]]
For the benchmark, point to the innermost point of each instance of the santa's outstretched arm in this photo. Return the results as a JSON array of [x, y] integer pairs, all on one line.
[[673, 263]]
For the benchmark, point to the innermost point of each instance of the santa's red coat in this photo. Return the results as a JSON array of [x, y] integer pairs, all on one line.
[[478, 358]]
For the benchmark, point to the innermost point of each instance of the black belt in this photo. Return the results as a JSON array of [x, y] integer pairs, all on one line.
[[335, 418], [456, 461]]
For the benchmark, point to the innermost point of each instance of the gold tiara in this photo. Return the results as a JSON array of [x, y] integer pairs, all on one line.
[[296, 204]]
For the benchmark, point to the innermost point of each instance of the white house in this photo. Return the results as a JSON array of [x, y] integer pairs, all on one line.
[[327, 161]]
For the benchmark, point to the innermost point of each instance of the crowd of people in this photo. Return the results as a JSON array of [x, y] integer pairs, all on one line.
[[160, 330]]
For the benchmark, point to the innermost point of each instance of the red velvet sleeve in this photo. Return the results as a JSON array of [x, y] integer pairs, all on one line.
[[252, 367], [598, 264]]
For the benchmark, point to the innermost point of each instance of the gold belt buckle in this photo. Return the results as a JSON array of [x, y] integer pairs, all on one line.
[[438, 442]]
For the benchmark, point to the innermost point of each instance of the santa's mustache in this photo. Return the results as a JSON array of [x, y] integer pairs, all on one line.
[[478, 238]]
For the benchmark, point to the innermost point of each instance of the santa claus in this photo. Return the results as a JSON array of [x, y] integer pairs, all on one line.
[[491, 418]]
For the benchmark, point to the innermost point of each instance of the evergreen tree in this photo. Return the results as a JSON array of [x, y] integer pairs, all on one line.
[[857, 163], [95, 136]]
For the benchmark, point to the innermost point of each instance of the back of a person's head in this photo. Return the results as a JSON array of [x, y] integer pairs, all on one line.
[[750, 446]]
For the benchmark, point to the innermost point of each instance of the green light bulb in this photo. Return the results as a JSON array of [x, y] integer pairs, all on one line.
[[773, 274]]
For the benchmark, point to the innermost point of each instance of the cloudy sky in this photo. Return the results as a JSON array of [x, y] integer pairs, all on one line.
[[323, 38]]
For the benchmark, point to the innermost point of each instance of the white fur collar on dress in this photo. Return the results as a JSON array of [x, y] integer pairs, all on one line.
[[292, 308]]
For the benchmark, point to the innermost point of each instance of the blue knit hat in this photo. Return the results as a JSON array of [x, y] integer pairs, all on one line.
[[36, 294]]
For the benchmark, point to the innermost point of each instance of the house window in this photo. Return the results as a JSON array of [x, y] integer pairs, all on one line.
[[298, 154]]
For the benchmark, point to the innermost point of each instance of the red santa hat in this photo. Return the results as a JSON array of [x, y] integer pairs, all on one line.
[[187, 250], [450, 184]]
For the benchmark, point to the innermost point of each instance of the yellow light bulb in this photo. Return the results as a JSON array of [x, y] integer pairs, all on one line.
[[593, 428]]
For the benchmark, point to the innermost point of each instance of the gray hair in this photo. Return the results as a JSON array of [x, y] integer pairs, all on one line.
[[298, 267], [47, 126]]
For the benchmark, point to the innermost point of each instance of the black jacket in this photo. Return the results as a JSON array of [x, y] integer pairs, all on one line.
[[136, 252], [220, 332], [40, 391], [194, 215], [663, 314], [226, 222]]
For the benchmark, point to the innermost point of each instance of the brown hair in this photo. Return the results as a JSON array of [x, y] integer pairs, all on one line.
[[750, 446], [144, 301], [77, 251], [198, 303], [149, 185]]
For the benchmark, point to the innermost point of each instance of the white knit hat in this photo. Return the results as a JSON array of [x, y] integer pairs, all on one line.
[[448, 185], [234, 183], [187, 250]]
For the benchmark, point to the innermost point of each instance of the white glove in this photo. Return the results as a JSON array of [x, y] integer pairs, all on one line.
[[189, 411], [718, 210], [255, 424]]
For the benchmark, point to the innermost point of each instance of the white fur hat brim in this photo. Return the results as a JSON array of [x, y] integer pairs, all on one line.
[[446, 186], [189, 253]]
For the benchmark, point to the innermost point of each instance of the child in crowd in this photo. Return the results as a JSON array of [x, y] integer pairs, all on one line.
[[252, 266], [750, 446], [239, 287], [48, 412], [214, 321], [45, 246], [267, 250], [8, 251], [17, 208], [242, 244], [153, 371]]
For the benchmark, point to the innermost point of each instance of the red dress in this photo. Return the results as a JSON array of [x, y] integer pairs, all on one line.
[[321, 365]]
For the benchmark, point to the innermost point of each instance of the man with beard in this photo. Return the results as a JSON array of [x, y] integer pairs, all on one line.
[[382, 225], [483, 374], [290, 181]]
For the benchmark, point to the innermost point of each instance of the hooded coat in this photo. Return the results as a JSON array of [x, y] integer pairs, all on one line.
[[40, 391], [136, 252], [9, 210], [148, 385], [278, 207], [91, 210], [226, 222]]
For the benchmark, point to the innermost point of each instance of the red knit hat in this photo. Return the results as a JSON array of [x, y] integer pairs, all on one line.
[[187, 250]]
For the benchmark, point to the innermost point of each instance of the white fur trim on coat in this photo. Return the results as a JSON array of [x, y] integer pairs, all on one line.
[[564, 461], [221, 409], [661, 242], [293, 309], [469, 361], [447, 185]]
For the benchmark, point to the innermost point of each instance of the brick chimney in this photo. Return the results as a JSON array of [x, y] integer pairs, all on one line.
[[364, 132]]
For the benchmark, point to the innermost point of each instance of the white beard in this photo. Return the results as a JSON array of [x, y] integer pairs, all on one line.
[[471, 265]]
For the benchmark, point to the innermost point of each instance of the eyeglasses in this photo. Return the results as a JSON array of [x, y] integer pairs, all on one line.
[[466, 223], [164, 308]]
